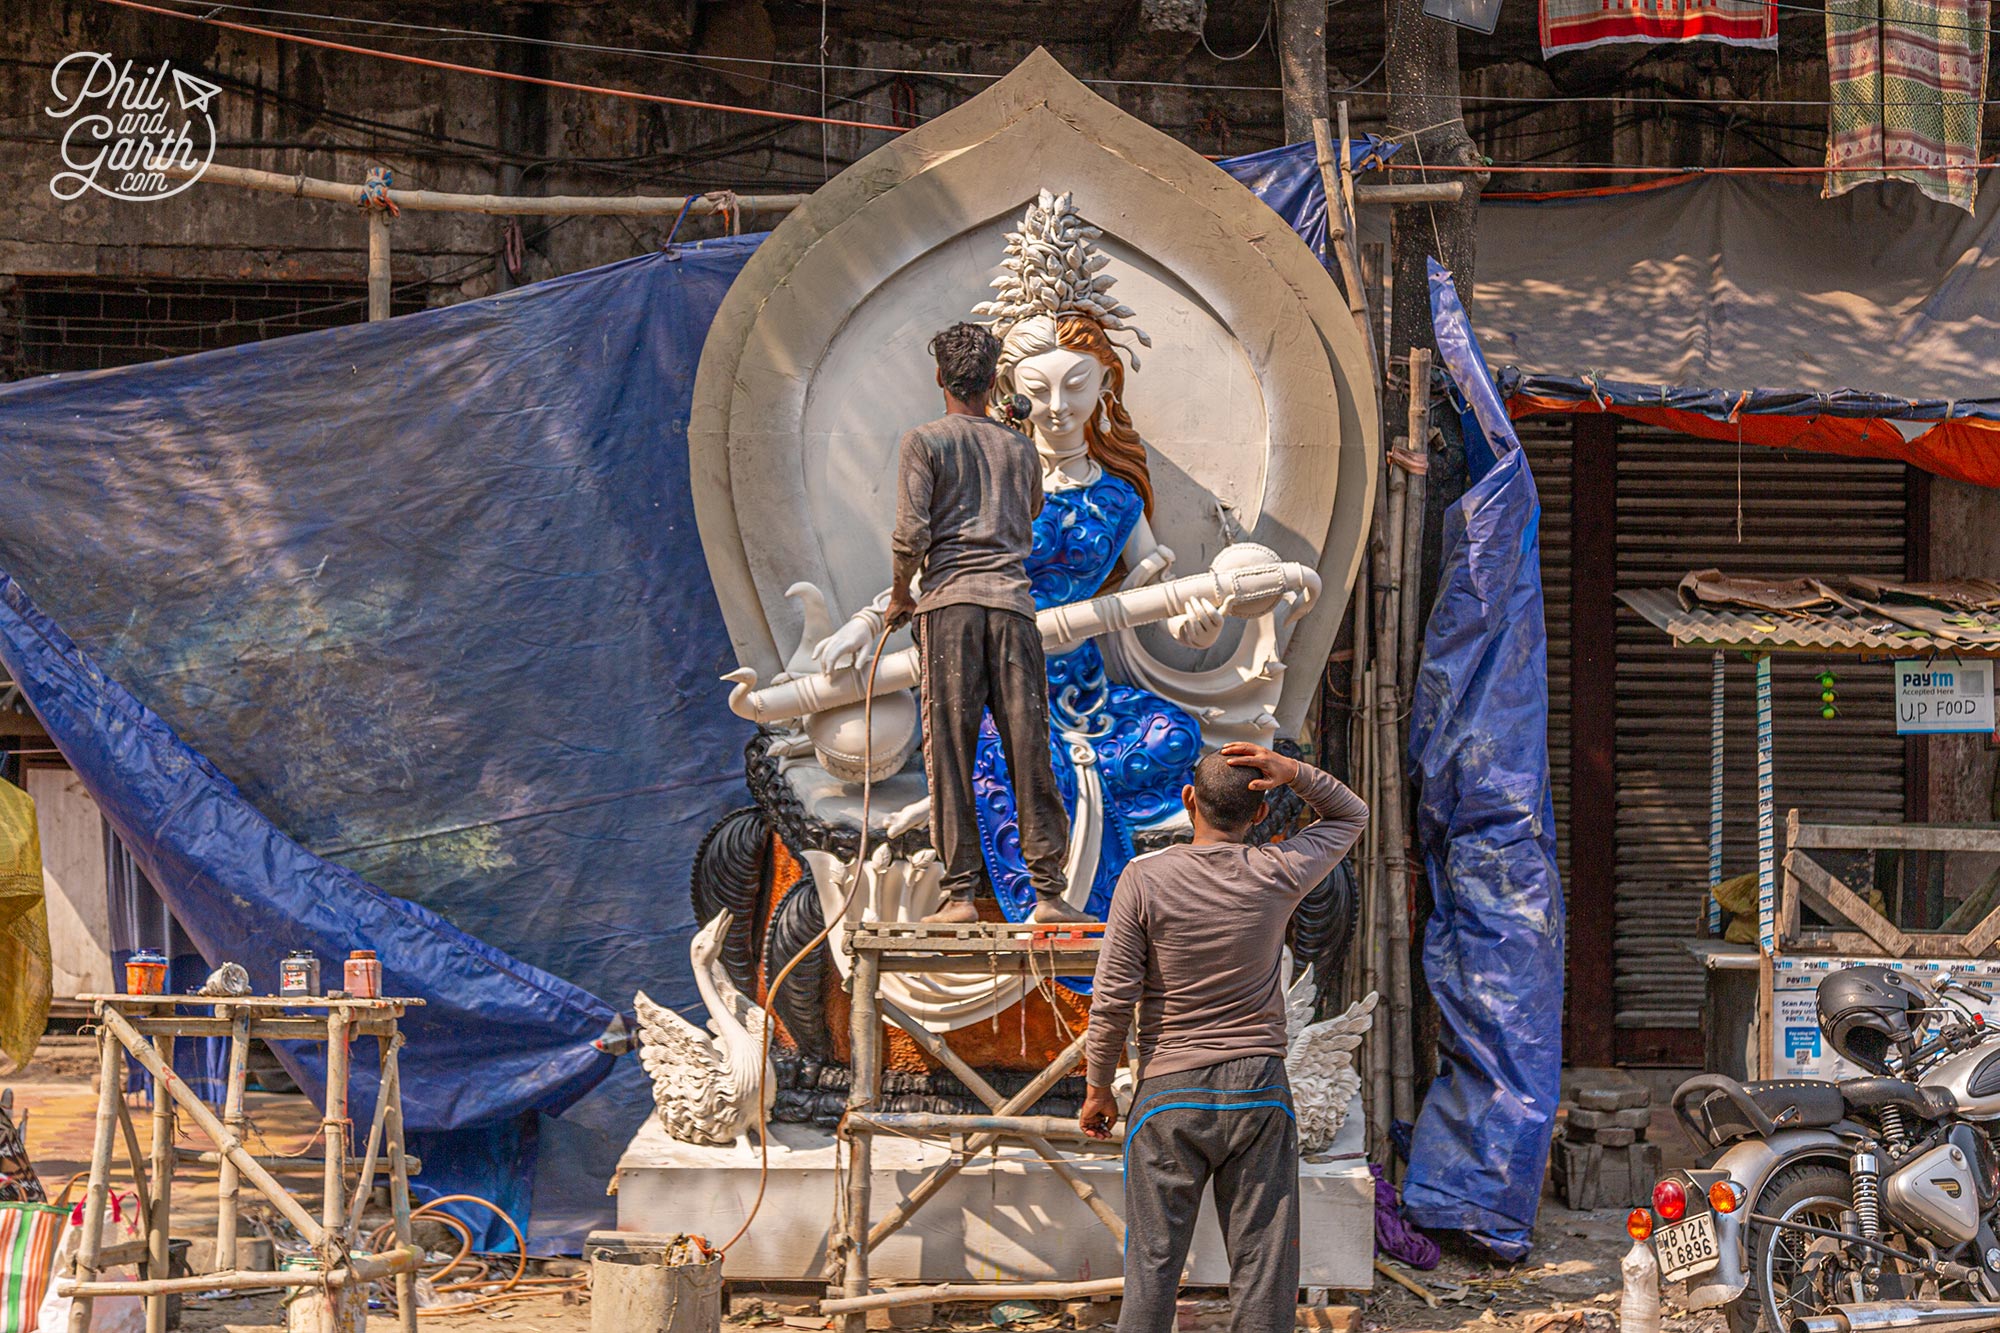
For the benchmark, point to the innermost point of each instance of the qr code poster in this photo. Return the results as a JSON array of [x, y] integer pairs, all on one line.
[[1800, 1050]]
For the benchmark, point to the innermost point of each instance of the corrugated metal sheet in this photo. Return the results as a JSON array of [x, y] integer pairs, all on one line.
[[1840, 631], [1691, 504]]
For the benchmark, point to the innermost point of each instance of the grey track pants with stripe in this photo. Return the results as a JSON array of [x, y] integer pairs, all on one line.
[[1229, 1125]]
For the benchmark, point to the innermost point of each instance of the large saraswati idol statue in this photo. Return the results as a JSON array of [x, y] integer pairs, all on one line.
[[1207, 482]]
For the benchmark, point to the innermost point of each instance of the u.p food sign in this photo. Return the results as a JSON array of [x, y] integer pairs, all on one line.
[[1943, 696]]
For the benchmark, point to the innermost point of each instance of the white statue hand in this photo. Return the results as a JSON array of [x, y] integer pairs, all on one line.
[[1157, 562], [1199, 626], [849, 646]]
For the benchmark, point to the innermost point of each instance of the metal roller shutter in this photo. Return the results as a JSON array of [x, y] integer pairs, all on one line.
[[1547, 440], [1686, 504]]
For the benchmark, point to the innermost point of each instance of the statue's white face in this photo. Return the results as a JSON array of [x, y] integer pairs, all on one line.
[[1062, 389]]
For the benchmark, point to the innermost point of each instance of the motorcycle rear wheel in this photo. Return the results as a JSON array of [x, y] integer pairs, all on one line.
[[1779, 1292]]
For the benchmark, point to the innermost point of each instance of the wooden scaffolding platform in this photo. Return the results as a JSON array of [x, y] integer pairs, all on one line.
[[144, 1028], [1000, 949]]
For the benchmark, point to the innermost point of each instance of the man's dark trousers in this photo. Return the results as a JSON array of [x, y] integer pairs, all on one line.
[[1230, 1124], [975, 659]]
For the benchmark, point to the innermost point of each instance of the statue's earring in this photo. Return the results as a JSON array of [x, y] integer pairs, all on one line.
[[1104, 404]]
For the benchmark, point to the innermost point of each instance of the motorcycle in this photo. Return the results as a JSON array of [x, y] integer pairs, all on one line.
[[1855, 1206]]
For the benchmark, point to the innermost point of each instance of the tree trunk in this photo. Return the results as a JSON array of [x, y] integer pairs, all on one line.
[[1424, 118], [1302, 65]]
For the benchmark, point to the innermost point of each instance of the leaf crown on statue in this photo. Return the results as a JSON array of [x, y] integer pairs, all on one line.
[[1053, 269]]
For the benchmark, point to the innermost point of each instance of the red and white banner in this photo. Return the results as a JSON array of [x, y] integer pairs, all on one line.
[[1572, 25]]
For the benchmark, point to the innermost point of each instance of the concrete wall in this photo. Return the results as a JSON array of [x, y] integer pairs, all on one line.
[[73, 875]]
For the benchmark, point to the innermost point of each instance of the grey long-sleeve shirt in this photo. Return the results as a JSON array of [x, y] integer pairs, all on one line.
[[967, 492], [1194, 942]]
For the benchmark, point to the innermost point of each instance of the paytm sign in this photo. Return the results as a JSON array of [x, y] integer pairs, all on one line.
[[1943, 696]]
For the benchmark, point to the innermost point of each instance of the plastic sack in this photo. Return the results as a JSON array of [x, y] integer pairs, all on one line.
[[28, 1236], [108, 1314], [1639, 1303]]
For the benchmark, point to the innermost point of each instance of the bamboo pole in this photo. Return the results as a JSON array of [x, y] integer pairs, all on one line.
[[1410, 636], [547, 205], [159, 1220], [1034, 1129], [110, 1074], [160, 1288], [865, 1042], [924, 1189], [1339, 236], [365, 1179], [1402, 1045], [399, 1179], [333, 1126], [378, 264], [144, 1052], [1447, 192], [135, 1157], [1029, 1127], [228, 1186], [973, 1291]]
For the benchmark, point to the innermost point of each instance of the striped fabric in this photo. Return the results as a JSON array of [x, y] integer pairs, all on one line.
[[1572, 25], [1908, 78], [28, 1236]]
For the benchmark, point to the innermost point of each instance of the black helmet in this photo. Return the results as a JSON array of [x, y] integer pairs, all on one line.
[[1865, 1013]]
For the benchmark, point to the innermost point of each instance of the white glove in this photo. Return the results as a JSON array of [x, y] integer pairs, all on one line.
[[1199, 626], [852, 644]]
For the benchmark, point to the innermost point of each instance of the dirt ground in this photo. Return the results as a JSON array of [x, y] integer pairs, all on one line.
[[1568, 1284]]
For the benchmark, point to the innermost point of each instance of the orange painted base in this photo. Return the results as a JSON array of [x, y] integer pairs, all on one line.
[[1021, 1039]]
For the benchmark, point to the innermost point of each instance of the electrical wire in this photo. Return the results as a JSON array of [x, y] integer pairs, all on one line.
[[825, 932], [516, 1287], [510, 76], [1247, 51]]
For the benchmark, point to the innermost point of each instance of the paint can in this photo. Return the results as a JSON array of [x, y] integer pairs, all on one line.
[[298, 974], [363, 975], [146, 973]]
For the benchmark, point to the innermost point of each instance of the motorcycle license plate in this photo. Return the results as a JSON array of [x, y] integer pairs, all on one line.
[[1686, 1248]]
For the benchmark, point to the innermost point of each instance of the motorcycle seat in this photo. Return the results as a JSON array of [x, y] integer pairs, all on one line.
[[1871, 1094], [1798, 1103]]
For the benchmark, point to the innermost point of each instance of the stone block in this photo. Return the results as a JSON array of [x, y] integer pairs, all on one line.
[[1597, 1175], [1092, 1314], [1613, 1098], [1329, 1318], [1638, 1118]]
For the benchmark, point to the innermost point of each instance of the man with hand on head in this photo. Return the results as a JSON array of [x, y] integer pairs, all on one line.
[[1194, 943]]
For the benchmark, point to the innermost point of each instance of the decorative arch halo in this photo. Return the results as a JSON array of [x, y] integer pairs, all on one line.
[[1255, 401]]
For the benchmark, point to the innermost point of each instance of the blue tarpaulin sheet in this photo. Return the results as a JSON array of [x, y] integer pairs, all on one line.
[[429, 593], [421, 658], [1493, 948]]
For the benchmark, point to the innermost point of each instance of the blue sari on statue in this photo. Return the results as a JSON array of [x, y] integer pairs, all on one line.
[[1144, 746]]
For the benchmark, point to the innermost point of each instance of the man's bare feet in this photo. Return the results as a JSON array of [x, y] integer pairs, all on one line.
[[955, 912], [1049, 911]]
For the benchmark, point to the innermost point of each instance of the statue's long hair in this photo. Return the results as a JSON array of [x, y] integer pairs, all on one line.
[[1110, 436]]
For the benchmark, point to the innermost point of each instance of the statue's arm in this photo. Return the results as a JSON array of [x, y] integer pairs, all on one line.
[[1149, 559]]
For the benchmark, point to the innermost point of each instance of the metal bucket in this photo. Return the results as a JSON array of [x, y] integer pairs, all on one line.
[[636, 1293]]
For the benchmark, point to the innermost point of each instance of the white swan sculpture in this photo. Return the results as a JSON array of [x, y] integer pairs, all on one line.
[[1319, 1060], [706, 1088]]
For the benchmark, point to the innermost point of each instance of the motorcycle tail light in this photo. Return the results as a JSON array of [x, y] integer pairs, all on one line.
[[1670, 1200], [1639, 1224], [1722, 1197]]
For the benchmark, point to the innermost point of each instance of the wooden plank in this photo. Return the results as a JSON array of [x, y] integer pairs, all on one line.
[[1909, 837], [1824, 892], [1593, 741]]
